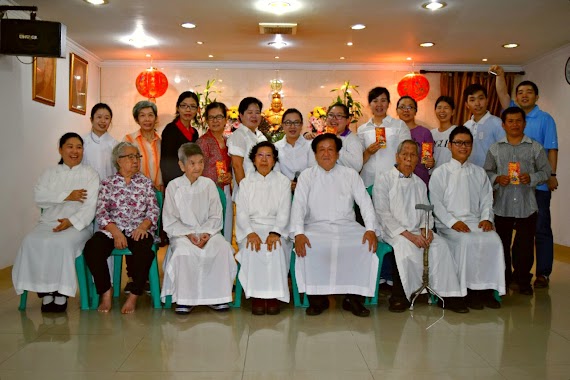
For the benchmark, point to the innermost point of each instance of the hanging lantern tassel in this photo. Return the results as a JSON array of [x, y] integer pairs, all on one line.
[[151, 83], [414, 85]]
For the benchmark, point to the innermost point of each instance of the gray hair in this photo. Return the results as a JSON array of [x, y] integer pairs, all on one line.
[[144, 104], [188, 150], [408, 141], [119, 149]]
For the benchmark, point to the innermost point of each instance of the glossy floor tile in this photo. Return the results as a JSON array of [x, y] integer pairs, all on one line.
[[528, 338]]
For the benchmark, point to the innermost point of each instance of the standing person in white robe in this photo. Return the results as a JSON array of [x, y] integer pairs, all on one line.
[[462, 197], [99, 143], [263, 205], [395, 196], [295, 154], [336, 255], [338, 122], [201, 268], [67, 194]]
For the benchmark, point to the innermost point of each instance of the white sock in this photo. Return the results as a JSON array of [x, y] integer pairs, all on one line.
[[60, 300], [47, 299]]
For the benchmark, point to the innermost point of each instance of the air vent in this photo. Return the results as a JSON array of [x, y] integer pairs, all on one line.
[[277, 28]]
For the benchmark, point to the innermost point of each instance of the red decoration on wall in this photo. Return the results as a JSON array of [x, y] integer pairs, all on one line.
[[414, 85], [151, 83]]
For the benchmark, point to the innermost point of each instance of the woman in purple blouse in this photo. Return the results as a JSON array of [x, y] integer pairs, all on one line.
[[127, 215]]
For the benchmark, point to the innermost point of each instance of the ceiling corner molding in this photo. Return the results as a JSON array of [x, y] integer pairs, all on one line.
[[74, 47], [549, 54]]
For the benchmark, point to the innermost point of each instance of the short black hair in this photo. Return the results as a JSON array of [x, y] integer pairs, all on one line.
[[528, 83], [290, 111], [460, 130], [99, 106], [512, 111], [472, 89], [263, 144], [447, 99], [376, 92], [246, 102], [407, 97], [63, 139], [213, 106], [341, 105], [326, 136]]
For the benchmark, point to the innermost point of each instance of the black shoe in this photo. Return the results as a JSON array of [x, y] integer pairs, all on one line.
[[59, 308], [455, 304], [355, 306], [541, 282], [147, 287], [474, 300], [526, 289], [48, 307], [317, 308], [490, 300], [398, 306]]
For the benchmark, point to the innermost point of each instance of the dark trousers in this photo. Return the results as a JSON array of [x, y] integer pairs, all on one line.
[[99, 248], [398, 294], [522, 249], [544, 238]]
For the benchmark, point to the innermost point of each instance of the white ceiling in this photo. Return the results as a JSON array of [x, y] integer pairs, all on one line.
[[464, 32]]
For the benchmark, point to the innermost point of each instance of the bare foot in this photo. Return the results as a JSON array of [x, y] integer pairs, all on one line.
[[106, 301], [130, 304]]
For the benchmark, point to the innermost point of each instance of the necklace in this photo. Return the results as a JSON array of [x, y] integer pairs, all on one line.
[[93, 139]]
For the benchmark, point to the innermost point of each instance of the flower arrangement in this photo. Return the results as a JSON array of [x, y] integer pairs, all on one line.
[[203, 101], [345, 97], [233, 120], [317, 119]]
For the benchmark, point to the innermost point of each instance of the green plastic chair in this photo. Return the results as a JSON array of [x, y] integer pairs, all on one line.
[[153, 275], [168, 299]]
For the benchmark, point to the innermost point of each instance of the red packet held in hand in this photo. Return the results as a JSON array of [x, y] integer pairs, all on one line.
[[330, 130], [427, 151], [381, 136], [515, 173], [220, 168]]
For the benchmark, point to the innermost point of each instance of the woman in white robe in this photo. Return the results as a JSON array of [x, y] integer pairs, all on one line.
[[200, 269], [262, 216], [99, 143], [67, 194]]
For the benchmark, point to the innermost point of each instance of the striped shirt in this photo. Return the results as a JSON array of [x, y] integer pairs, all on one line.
[[150, 151], [517, 201]]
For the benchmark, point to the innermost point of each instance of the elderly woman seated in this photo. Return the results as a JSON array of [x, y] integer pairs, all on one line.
[[263, 205], [127, 215], [46, 260], [200, 269]]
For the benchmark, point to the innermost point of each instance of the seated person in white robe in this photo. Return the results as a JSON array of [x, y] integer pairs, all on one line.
[[67, 194], [263, 205], [396, 194], [336, 255], [200, 268], [462, 197]]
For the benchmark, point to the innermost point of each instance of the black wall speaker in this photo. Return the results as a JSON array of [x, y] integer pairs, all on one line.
[[32, 38]]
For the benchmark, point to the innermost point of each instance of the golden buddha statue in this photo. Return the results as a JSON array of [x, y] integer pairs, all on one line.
[[275, 113]]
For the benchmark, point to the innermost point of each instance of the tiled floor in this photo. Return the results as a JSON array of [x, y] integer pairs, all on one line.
[[529, 338]]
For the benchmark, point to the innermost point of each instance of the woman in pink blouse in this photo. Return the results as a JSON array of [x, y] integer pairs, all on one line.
[[216, 159], [127, 215]]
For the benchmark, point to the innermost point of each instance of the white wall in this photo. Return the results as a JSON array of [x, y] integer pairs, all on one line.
[[29, 136], [548, 73]]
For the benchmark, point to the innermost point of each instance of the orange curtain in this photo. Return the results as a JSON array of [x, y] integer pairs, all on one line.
[[454, 83]]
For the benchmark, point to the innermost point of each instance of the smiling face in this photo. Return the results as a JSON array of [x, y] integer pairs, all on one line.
[[326, 154], [461, 147], [72, 152], [193, 167], [514, 125], [338, 119], [216, 120], [444, 112], [477, 104], [407, 159], [187, 109], [146, 119], [292, 125], [406, 110], [379, 105], [251, 117], [101, 121], [264, 160], [526, 97]]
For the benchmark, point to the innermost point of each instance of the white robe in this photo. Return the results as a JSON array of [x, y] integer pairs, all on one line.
[[46, 260], [464, 193], [192, 275], [263, 205], [395, 198], [351, 153], [294, 159], [323, 210], [97, 152]]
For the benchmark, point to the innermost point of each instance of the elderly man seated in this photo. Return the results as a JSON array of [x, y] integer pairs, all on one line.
[[396, 193], [463, 205], [336, 255]]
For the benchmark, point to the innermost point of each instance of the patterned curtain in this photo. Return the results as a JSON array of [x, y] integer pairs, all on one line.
[[454, 83]]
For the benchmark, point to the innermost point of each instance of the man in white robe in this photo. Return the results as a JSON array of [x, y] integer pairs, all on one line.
[[463, 206], [395, 196], [336, 255], [201, 268]]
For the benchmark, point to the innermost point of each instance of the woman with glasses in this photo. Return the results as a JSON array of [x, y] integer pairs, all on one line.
[[295, 154], [407, 108], [263, 204], [338, 122], [178, 132], [127, 216], [217, 162]]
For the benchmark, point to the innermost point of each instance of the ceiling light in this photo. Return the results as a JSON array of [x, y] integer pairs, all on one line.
[[210, 56], [177, 79], [188, 25], [510, 46], [358, 26], [278, 7], [148, 56], [349, 44], [427, 44], [341, 57], [409, 59], [139, 39], [277, 44], [97, 2], [434, 5], [484, 60], [322, 86], [199, 42], [276, 57]]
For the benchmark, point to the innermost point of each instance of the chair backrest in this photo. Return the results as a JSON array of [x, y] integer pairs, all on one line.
[[160, 201], [223, 200]]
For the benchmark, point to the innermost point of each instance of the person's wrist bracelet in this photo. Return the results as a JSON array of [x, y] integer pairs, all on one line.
[[553, 174]]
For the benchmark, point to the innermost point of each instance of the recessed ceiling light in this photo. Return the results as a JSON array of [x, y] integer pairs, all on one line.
[[358, 26], [276, 57], [177, 79], [210, 56], [434, 5], [139, 39], [148, 56], [188, 25], [409, 59], [277, 44], [484, 60], [278, 7], [510, 46], [199, 42], [97, 2], [349, 44], [427, 44], [341, 57]]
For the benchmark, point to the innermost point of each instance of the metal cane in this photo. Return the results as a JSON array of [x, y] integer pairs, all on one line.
[[425, 275]]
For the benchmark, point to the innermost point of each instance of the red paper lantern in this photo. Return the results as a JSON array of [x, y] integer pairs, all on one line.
[[151, 83], [414, 85]]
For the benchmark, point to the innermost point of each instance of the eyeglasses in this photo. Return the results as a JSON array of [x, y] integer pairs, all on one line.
[[264, 155], [216, 118], [185, 106], [406, 108], [466, 144], [289, 123], [337, 117], [131, 156]]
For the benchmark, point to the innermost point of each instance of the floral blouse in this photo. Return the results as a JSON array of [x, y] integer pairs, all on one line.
[[212, 154], [127, 205]]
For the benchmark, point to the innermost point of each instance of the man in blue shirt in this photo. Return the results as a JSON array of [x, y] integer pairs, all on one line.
[[540, 126]]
